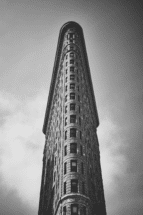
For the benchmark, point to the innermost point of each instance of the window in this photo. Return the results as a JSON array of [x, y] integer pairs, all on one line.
[[54, 175], [77, 79], [65, 184], [79, 121], [76, 63], [73, 148], [74, 185], [72, 69], [66, 71], [71, 47], [71, 54], [66, 88], [65, 135], [83, 210], [78, 88], [72, 86], [70, 35], [66, 98], [73, 132], [66, 56], [72, 118], [82, 168], [55, 160], [71, 61], [72, 95], [83, 187], [65, 121], [65, 109], [65, 150], [73, 165], [66, 63], [80, 135], [64, 210], [79, 109], [78, 98], [66, 79], [65, 168], [81, 151], [74, 209], [72, 106], [72, 77]]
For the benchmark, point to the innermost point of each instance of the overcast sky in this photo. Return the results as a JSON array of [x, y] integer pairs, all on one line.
[[113, 32]]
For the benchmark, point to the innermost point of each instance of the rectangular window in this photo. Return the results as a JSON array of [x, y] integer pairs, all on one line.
[[72, 77], [65, 109], [74, 209], [80, 135], [83, 187], [72, 69], [70, 35], [73, 148], [71, 54], [65, 135], [65, 168], [72, 118], [72, 106], [77, 79], [66, 79], [65, 121], [66, 63], [82, 168], [66, 98], [64, 210], [73, 165], [79, 109], [73, 132], [79, 121], [84, 210], [66, 88], [78, 98], [72, 86], [65, 184], [71, 61], [71, 47], [54, 175], [72, 95], [65, 150], [81, 151], [74, 185]]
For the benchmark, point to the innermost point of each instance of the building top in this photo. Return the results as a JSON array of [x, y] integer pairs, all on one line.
[[63, 30]]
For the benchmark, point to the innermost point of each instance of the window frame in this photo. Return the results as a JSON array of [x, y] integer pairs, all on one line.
[[73, 149], [73, 118], [73, 168], [72, 105], [74, 188], [73, 132]]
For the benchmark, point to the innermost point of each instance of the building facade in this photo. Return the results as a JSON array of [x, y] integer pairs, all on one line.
[[71, 178]]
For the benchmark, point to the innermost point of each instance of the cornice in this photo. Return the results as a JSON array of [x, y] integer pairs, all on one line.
[[63, 30]]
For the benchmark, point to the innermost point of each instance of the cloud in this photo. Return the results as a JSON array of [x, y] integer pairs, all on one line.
[[22, 144], [113, 160]]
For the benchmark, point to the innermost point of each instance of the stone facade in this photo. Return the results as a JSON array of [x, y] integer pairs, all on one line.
[[71, 179]]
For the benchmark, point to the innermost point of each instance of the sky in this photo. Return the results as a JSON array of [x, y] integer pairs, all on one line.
[[113, 32]]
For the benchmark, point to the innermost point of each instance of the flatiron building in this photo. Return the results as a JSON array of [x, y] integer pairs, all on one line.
[[71, 177]]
